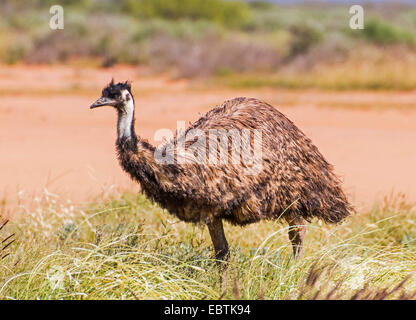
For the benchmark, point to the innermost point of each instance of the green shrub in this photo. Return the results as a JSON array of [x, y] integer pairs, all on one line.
[[230, 13], [384, 33], [261, 5], [15, 53], [303, 38]]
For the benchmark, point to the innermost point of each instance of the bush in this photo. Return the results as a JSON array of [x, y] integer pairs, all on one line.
[[14, 54], [211, 55], [230, 13], [304, 37], [381, 32]]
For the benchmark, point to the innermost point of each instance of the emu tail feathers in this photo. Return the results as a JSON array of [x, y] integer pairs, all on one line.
[[337, 207]]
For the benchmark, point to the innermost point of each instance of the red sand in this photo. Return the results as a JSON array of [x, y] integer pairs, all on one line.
[[50, 139]]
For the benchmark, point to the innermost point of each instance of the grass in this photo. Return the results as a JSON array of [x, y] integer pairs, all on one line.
[[128, 248], [366, 69]]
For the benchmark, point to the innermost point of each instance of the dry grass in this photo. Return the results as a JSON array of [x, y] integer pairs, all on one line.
[[367, 68], [6, 242], [127, 248]]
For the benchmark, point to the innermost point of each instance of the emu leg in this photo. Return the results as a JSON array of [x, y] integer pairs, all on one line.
[[216, 232], [297, 231]]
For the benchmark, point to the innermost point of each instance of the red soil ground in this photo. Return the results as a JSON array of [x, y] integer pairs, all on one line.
[[50, 139]]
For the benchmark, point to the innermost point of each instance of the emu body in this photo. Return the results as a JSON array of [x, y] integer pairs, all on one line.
[[295, 182]]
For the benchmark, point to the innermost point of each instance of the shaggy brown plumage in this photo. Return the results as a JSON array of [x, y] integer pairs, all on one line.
[[295, 182]]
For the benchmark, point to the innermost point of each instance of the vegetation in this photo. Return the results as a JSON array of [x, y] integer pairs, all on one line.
[[201, 38], [368, 69], [128, 248], [381, 32], [229, 13]]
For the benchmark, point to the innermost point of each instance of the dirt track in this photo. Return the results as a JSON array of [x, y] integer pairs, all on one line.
[[50, 139]]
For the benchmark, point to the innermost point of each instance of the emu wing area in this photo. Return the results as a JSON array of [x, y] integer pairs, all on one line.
[[290, 178]]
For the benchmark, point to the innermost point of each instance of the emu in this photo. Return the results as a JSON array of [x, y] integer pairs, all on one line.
[[295, 182]]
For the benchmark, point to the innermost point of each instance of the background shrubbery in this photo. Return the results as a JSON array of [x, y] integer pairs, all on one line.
[[214, 37], [383, 33], [228, 13]]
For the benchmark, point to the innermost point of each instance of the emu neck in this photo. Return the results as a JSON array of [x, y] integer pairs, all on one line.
[[136, 156], [125, 123]]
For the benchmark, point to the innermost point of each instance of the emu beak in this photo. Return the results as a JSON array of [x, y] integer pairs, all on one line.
[[103, 101]]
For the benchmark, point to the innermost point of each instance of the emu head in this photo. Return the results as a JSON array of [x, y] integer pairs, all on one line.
[[117, 96]]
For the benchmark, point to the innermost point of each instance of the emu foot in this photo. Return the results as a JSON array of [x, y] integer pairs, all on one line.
[[223, 255], [222, 260]]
